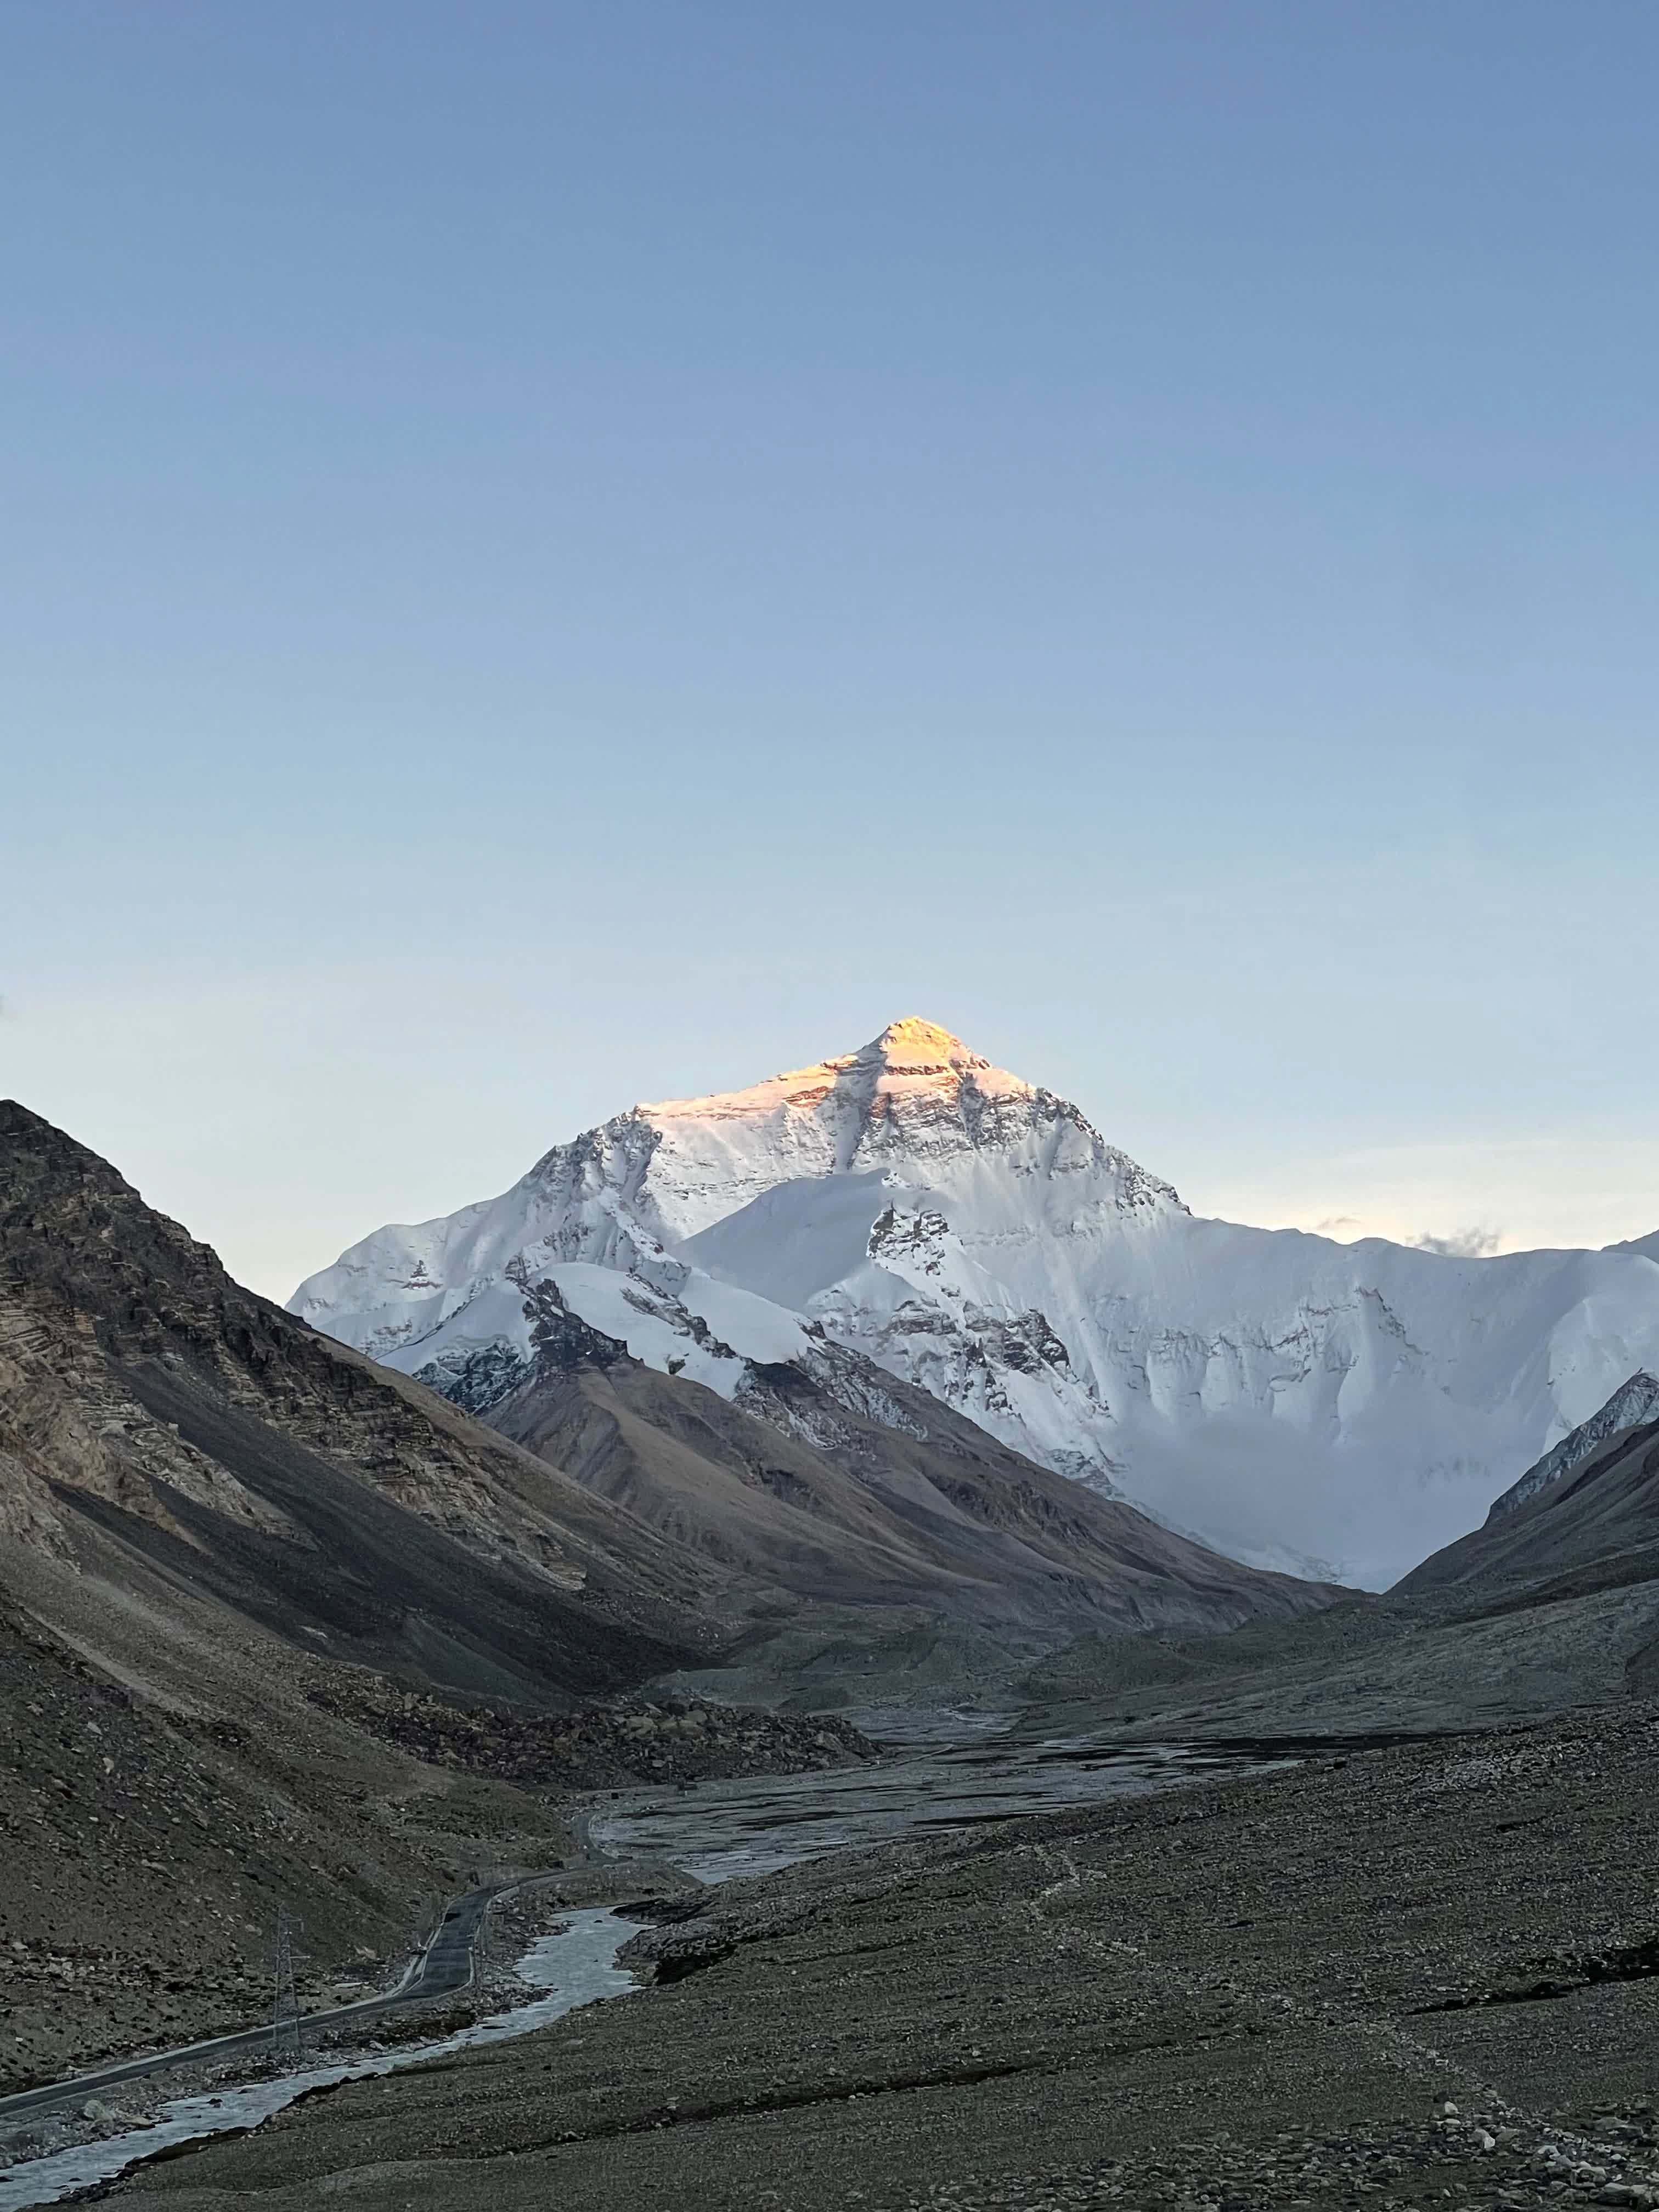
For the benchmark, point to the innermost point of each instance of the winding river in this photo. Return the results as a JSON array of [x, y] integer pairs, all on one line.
[[938, 1772]]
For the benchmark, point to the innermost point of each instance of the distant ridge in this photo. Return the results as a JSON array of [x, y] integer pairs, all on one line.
[[1633, 1403]]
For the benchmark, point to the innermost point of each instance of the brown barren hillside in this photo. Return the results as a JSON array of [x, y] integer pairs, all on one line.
[[276, 1627]]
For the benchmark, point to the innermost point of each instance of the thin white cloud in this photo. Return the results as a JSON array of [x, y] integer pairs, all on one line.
[[1462, 1245]]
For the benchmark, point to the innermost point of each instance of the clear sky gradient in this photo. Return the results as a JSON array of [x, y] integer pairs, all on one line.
[[552, 555]]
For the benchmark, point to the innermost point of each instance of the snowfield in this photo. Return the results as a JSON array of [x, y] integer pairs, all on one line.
[[1331, 1408]]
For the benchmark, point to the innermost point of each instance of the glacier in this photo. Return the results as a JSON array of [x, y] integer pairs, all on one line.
[[1339, 1410]]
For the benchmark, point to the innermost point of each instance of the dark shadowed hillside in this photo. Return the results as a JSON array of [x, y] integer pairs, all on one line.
[[801, 1488], [143, 1392], [1594, 1526], [246, 1582]]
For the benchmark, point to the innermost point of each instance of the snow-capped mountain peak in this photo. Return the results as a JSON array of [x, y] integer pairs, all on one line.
[[911, 1205], [911, 1099], [915, 1047]]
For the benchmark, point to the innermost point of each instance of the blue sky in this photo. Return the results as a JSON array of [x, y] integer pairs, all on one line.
[[552, 555]]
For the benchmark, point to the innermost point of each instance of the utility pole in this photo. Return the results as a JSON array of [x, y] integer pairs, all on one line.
[[486, 1950], [285, 2012]]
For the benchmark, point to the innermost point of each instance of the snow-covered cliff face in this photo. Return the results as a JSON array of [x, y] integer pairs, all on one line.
[[1293, 1400]]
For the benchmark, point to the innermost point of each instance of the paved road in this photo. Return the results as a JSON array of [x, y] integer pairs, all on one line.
[[444, 1966]]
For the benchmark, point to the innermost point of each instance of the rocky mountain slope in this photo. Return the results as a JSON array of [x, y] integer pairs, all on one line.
[[799, 1486], [145, 1394], [169, 1781], [1634, 1403], [247, 1582], [1294, 1402], [1594, 1526]]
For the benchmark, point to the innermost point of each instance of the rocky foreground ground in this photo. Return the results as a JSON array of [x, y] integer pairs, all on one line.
[[1427, 1974]]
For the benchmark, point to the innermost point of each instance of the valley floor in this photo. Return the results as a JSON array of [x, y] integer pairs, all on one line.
[[1245, 1994]]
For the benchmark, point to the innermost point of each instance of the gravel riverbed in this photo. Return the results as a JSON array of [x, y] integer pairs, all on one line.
[[1254, 1993]]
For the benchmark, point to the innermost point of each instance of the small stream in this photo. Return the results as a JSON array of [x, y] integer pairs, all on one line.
[[575, 1966], [941, 1772]]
